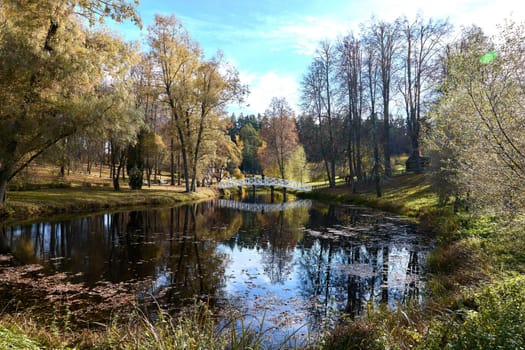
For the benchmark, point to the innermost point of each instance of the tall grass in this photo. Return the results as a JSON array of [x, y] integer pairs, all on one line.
[[194, 328]]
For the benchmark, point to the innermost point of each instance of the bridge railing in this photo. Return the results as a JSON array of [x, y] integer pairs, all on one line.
[[266, 182]]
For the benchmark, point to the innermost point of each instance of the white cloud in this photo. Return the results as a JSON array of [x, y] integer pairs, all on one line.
[[305, 33], [483, 13], [264, 87]]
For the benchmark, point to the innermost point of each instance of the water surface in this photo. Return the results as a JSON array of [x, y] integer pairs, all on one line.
[[295, 267]]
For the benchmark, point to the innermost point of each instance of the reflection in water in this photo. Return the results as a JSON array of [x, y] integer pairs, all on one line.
[[296, 269]]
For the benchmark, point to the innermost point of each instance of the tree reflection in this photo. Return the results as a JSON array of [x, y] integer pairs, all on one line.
[[173, 248], [193, 266], [280, 234], [313, 263], [354, 264]]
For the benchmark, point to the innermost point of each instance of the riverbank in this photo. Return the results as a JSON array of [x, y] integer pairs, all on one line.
[[46, 202], [475, 274], [474, 295]]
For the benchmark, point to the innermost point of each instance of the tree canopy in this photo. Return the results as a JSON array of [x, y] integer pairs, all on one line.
[[51, 73]]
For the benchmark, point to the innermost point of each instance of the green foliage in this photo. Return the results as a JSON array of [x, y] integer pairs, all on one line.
[[135, 178], [250, 138], [11, 338], [494, 320], [477, 124], [354, 337]]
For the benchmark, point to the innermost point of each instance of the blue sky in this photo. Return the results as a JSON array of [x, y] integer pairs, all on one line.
[[272, 42]]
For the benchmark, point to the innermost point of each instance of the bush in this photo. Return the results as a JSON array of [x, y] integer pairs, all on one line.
[[494, 319], [237, 173], [135, 178]]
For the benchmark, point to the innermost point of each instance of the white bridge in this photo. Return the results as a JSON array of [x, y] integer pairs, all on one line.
[[263, 208], [265, 182]]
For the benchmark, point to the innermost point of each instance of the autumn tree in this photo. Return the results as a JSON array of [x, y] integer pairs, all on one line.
[[220, 157], [49, 71], [279, 136], [195, 90], [176, 56], [216, 85], [147, 154]]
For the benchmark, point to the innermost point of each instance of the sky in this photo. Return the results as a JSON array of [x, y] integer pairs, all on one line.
[[272, 42]]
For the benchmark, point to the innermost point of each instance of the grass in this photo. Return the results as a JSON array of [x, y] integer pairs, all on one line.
[[409, 194], [195, 327], [475, 283], [475, 288], [46, 202], [40, 192], [13, 338]]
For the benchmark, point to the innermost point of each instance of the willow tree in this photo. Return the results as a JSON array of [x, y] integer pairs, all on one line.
[[480, 118], [49, 71], [195, 90]]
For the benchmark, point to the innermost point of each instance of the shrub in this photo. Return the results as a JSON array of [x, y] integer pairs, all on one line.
[[237, 173], [493, 319], [135, 178]]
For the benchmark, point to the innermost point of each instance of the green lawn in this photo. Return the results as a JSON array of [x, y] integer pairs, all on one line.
[[23, 205]]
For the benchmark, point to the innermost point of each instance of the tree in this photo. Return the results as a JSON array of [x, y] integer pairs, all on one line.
[[318, 95], [385, 39], [372, 71], [350, 67], [220, 157], [151, 146], [422, 45], [195, 91], [251, 142], [176, 57], [216, 85], [479, 118], [279, 136], [49, 71]]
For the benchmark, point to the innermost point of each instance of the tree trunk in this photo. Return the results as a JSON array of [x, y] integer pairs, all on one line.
[[332, 179], [116, 174], [185, 166], [178, 173], [172, 163], [3, 188], [416, 155], [386, 140]]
